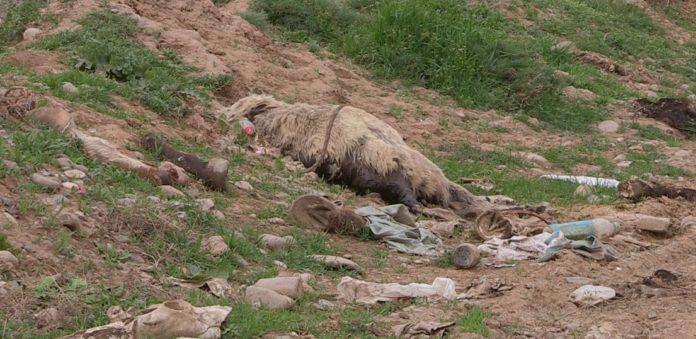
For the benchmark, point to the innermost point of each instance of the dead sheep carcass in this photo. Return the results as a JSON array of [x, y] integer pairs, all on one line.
[[363, 152]]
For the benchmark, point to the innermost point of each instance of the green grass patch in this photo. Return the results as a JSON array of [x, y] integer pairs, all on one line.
[[653, 133], [5, 244], [650, 161], [19, 16], [105, 46], [473, 321], [470, 162], [586, 152]]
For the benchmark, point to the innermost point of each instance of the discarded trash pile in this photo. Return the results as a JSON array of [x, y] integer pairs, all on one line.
[[351, 147]]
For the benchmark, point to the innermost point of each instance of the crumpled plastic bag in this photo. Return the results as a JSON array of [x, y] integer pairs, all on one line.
[[350, 290], [171, 319], [403, 238]]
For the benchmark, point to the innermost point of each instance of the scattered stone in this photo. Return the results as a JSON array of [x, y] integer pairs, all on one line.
[[259, 296], [537, 159], [608, 126], [171, 192], [70, 220], [215, 245], [336, 262], [583, 191], [30, 34], [688, 223], [69, 88], [682, 153], [624, 164], [574, 93], [219, 215], [70, 187], [243, 185], [205, 204], [153, 198], [620, 158], [652, 224], [75, 174], [324, 305], [652, 314], [565, 44], [84, 169], [274, 242], [126, 202], [7, 218], [288, 286], [280, 264], [8, 261], [45, 181], [47, 318], [277, 221], [560, 74], [10, 164]]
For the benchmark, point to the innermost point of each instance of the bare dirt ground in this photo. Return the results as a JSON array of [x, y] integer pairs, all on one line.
[[218, 40]]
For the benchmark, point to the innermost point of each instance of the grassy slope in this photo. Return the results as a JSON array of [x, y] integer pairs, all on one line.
[[469, 59]]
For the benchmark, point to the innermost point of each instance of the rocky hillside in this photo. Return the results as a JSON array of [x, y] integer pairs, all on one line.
[[496, 93]]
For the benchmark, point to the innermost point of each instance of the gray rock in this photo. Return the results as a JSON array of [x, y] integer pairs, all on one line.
[[81, 168], [30, 34], [279, 264], [288, 286], [219, 215], [170, 191], [69, 88], [126, 202], [75, 174], [153, 198], [55, 200], [537, 159], [47, 318], [579, 94], [324, 305], [215, 245], [688, 223], [243, 185], [10, 164], [259, 296], [608, 126], [205, 204], [45, 181], [8, 261], [7, 219], [274, 242]]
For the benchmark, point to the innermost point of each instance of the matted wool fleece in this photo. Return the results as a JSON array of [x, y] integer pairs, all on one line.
[[357, 136]]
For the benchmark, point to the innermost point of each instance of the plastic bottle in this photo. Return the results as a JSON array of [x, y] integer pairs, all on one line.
[[247, 126], [577, 230]]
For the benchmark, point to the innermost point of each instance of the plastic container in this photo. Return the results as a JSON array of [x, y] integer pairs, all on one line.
[[577, 230], [247, 126]]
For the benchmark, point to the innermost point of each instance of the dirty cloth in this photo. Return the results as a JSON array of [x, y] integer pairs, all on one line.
[[421, 328], [365, 292], [545, 246], [412, 240], [583, 180], [590, 247], [171, 319]]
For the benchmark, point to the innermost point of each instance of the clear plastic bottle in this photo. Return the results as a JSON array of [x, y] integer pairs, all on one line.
[[600, 228]]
